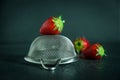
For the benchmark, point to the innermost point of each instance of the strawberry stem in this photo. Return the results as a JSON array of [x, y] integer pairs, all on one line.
[[78, 45], [58, 23], [100, 51]]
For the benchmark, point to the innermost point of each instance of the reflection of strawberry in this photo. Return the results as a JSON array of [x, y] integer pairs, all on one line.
[[53, 25], [81, 44], [95, 51]]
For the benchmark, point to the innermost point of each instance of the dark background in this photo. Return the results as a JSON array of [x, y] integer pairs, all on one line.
[[97, 20]]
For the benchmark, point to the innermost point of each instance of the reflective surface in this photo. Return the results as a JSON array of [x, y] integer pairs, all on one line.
[[14, 67]]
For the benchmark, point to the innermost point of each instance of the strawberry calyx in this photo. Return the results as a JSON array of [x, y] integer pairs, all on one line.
[[59, 23], [100, 51], [78, 45]]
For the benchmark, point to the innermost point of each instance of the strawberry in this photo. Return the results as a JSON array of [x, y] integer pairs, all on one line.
[[52, 26], [95, 51], [81, 44]]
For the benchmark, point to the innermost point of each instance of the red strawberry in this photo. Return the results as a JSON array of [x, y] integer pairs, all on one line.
[[52, 26], [95, 51], [81, 44]]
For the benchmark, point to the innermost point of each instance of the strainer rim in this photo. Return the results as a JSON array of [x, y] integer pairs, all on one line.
[[63, 61]]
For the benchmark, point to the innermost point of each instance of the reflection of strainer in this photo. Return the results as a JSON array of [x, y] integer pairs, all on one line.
[[51, 50]]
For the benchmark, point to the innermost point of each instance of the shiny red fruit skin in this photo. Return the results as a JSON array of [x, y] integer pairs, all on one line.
[[83, 44], [86, 43], [90, 52], [48, 26]]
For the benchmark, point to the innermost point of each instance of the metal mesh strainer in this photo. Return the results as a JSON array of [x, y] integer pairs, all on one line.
[[51, 50]]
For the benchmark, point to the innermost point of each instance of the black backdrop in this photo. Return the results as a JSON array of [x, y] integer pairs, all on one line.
[[97, 20]]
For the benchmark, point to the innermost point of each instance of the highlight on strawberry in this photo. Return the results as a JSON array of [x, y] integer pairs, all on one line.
[[52, 26], [95, 51], [80, 44]]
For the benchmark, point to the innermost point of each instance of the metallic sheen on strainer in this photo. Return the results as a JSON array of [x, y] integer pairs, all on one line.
[[51, 50]]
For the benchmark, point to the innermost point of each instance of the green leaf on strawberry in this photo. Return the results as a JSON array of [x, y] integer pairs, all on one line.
[[59, 23], [52, 26], [81, 44], [100, 51], [95, 51]]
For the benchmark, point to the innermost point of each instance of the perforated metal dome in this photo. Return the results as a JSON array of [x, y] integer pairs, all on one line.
[[51, 48]]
